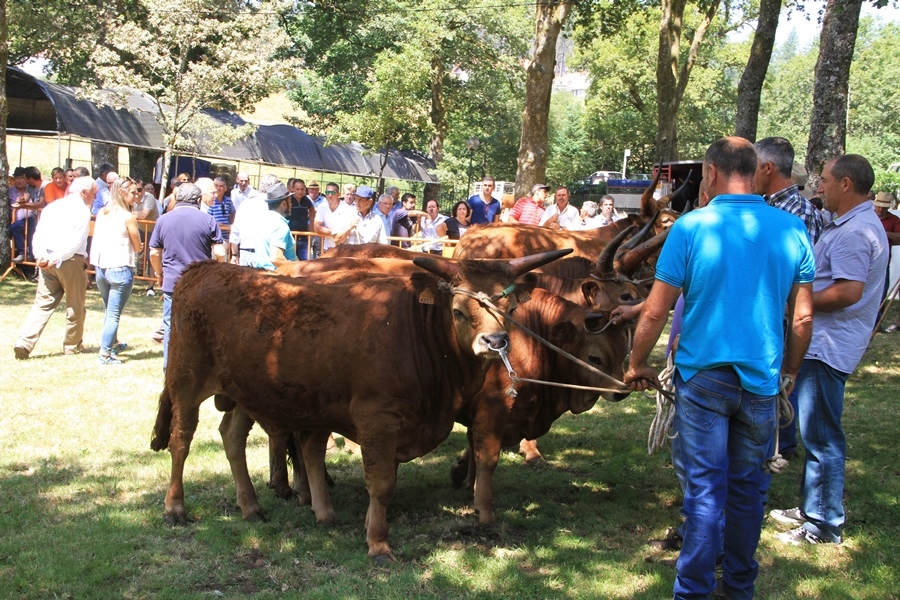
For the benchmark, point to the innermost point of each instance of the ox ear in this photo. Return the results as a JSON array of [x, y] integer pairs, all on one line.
[[426, 286], [588, 289], [446, 269], [564, 333], [524, 286]]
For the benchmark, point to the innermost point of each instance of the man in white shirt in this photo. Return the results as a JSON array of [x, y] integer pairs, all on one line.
[[243, 237], [334, 218], [242, 190], [60, 247], [561, 215]]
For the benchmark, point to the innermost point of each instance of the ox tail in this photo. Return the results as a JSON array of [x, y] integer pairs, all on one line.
[[162, 430]]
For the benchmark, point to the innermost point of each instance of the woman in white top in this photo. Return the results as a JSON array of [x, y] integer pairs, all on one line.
[[434, 227], [116, 239]]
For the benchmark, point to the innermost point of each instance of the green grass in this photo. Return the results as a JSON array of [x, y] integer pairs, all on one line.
[[81, 498]]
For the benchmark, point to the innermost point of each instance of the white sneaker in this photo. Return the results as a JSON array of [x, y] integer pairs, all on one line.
[[790, 516]]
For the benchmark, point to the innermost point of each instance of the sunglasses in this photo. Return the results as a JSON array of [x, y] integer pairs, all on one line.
[[330, 192]]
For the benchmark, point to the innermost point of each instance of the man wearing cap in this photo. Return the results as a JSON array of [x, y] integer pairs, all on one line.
[[334, 218], [243, 238], [529, 211], [182, 236], [891, 224], [562, 215], [21, 215], [275, 244], [367, 227]]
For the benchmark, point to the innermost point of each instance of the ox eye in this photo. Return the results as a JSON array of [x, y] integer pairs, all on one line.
[[626, 297], [595, 360], [458, 315]]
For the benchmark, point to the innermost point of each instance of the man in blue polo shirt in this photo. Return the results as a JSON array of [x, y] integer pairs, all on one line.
[[485, 208], [182, 236], [275, 246], [739, 262]]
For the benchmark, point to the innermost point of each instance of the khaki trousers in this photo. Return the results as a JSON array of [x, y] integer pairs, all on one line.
[[68, 279]]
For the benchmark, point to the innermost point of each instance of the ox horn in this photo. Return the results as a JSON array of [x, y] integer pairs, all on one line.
[[444, 268], [522, 265], [629, 261], [606, 262], [647, 204], [680, 191]]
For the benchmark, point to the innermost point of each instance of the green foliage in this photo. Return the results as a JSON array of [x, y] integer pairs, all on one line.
[[621, 105], [570, 156]]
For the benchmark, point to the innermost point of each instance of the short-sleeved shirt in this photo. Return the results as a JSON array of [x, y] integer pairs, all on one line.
[[569, 218], [300, 211], [527, 212], [274, 232], [891, 224], [185, 236], [483, 212], [337, 220], [853, 247], [369, 230], [53, 192], [790, 200], [222, 211], [736, 260]]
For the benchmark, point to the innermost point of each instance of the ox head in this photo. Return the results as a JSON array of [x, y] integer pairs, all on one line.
[[608, 288], [590, 336], [483, 292]]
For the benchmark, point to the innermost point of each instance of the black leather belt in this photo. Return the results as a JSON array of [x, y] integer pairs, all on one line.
[[248, 250]]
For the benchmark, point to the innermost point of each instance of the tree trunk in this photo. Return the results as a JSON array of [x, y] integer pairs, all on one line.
[[828, 130], [672, 80], [141, 163], [438, 110], [750, 86], [4, 163], [432, 191], [104, 153], [533, 146]]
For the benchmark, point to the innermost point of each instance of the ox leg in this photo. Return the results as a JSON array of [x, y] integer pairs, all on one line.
[[279, 445], [530, 449], [300, 485], [184, 424], [379, 451], [459, 473], [313, 448], [486, 440], [234, 429]]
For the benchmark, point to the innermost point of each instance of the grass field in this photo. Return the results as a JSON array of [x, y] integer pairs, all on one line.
[[81, 498]]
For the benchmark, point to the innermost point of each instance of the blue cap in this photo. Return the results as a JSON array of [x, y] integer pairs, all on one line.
[[365, 191]]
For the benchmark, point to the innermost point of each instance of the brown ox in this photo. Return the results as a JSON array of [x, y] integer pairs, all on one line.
[[495, 419], [508, 240], [361, 332]]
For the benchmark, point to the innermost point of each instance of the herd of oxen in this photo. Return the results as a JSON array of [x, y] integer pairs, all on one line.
[[390, 348]]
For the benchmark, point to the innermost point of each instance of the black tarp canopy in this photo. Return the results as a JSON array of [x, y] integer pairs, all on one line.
[[40, 106]]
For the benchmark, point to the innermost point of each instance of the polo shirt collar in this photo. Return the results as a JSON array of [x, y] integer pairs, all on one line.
[[867, 205]]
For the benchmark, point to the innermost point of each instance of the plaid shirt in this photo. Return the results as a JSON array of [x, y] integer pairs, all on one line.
[[790, 200]]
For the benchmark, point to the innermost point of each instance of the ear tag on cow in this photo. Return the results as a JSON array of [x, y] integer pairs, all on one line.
[[426, 296], [523, 296]]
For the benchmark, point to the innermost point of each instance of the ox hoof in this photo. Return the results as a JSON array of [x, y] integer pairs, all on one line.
[[383, 560], [257, 516], [282, 491], [176, 519], [326, 523]]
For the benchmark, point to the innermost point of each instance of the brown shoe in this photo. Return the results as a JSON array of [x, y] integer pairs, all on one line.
[[21, 353], [70, 350]]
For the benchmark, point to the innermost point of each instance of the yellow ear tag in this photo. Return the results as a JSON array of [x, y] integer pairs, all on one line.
[[426, 296]]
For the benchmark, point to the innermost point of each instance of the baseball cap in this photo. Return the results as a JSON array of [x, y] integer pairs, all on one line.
[[365, 191], [539, 186]]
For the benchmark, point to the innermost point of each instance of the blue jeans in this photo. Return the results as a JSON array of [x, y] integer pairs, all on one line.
[[115, 288], [302, 248], [167, 326], [723, 433], [820, 394]]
